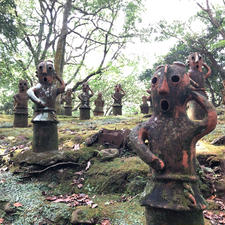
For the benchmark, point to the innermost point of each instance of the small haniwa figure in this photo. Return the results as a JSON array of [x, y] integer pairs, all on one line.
[[84, 97], [45, 136], [197, 78], [67, 99], [167, 144], [144, 106], [99, 104], [117, 96], [149, 98], [20, 105]]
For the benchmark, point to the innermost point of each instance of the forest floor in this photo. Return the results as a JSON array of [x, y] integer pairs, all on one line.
[[78, 187]]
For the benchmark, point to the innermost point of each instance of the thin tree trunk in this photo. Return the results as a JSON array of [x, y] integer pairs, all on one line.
[[60, 50]]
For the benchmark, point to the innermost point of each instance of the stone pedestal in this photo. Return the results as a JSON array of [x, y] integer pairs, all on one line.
[[157, 216], [98, 113], [20, 117], [68, 110], [117, 110], [45, 136], [84, 113]]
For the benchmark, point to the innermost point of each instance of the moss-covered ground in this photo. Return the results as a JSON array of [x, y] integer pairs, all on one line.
[[115, 186]]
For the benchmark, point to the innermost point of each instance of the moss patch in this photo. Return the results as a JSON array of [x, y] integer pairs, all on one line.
[[204, 148], [122, 175]]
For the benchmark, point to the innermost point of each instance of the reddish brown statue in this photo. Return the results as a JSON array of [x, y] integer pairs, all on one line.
[[197, 78], [45, 136], [20, 105], [117, 96], [149, 98], [144, 106], [67, 98], [85, 98], [99, 104], [167, 144], [223, 92]]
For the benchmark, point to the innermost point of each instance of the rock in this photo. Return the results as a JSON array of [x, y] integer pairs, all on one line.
[[108, 153], [219, 141], [78, 217], [109, 138]]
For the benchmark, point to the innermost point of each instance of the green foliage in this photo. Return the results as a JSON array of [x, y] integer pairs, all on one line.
[[7, 19], [146, 75], [218, 45]]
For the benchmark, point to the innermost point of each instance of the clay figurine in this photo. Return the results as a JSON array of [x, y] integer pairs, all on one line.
[[20, 105], [117, 96], [197, 78], [144, 106], [67, 99], [43, 94], [99, 104], [166, 142], [84, 97]]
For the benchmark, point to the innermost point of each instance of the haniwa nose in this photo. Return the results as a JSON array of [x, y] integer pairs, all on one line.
[[196, 57], [163, 87], [44, 69]]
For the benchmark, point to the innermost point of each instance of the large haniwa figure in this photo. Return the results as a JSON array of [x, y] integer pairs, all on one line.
[[167, 144], [20, 105], [45, 135], [223, 92]]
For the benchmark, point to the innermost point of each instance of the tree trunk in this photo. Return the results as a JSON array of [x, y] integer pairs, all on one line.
[[60, 50]]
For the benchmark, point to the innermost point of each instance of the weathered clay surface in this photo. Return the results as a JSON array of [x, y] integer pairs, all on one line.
[[167, 144], [99, 104], [44, 95], [20, 105]]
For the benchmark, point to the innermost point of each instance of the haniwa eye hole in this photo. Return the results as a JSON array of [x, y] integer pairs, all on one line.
[[154, 80], [193, 58], [25, 84], [20, 83], [40, 67], [50, 68], [175, 78]]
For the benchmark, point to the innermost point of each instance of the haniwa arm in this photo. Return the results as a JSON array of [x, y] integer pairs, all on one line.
[[210, 120], [136, 140]]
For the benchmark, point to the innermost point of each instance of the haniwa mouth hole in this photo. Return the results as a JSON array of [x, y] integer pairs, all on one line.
[[45, 79], [164, 105]]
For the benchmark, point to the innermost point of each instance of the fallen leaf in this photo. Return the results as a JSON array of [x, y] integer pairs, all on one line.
[[51, 198], [80, 185], [105, 222], [11, 138], [79, 173], [76, 147], [17, 204], [2, 181], [88, 165], [94, 206]]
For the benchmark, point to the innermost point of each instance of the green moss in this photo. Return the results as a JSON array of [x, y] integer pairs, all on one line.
[[205, 148], [111, 207], [127, 175]]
